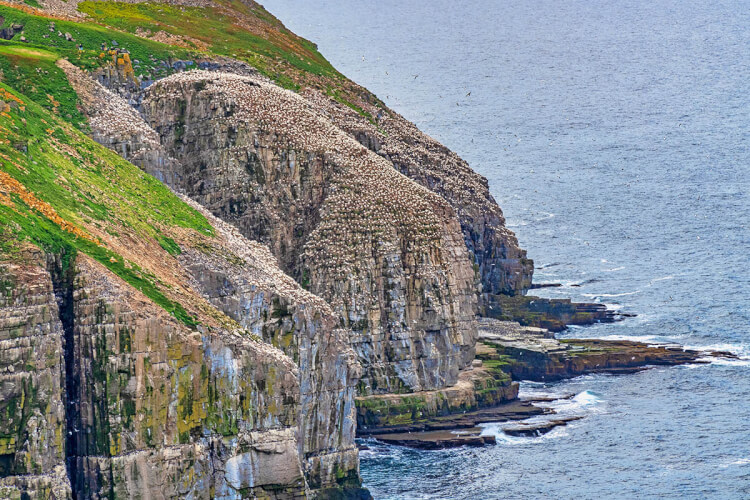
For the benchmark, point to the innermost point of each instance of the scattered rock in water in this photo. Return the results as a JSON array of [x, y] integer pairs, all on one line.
[[435, 440]]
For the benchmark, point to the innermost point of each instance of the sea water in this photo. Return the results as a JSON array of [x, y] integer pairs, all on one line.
[[615, 137]]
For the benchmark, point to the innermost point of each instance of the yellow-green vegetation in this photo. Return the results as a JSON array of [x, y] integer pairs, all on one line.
[[242, 30], [33, 72], [58, 189], [38, 33]]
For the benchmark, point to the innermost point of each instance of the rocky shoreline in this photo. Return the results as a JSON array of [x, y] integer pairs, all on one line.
[[523, 353]]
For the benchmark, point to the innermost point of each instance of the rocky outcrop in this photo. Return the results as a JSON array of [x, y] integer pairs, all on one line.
[[501, 265], [544, 359], [271, 305], [551, 314], [386, 253], [479, 387], [240, 278], [152, 408]]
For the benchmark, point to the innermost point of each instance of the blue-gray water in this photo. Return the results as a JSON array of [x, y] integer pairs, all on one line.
[[615, 137]]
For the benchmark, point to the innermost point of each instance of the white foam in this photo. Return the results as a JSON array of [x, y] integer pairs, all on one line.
[[599, 295], [614, 307], [655, 339], [496, 429], [741, 461], [582, 403], [727, 361], [741, 350]]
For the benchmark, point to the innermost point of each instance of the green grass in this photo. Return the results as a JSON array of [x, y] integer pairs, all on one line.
[[33, 72], [279, 54], [86, 184], [229, 28], [36, 29]]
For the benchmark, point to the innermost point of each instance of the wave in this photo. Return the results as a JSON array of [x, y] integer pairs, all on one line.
[[663, 278], [599, 295], [580, 404], [655, 339], [496, 429], [741, 461]]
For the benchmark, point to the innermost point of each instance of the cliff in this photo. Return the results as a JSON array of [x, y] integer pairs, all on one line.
[[385, 253], [133, 327], [212, 343]]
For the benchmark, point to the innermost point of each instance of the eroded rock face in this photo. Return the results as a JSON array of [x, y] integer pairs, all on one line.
[[32, 374], [241, 279], [272, 306], [501, 264], [140, 405], [145, 384], [386, 253]]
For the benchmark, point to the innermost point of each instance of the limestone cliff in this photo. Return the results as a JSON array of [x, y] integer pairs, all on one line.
[[149, 345]]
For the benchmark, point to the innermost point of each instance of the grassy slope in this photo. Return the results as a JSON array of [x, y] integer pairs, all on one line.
[[61, 191], [91, 36], [232, 28]]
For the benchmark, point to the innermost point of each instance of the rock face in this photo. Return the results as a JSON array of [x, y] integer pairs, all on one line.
[[501, 264], [32, 427], [476, 389], [264, 300], [152, 408], [387, 254], [151, 400], [272, 306], [139, 362]]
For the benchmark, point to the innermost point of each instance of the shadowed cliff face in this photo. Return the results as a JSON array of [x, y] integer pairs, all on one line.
[[386, 253]]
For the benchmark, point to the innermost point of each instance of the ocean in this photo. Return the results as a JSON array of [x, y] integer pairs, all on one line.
[[615, 137]]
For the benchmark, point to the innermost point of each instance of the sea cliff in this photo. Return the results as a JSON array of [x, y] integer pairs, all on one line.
[[220, 260]]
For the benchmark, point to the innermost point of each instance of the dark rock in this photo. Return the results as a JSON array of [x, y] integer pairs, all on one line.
[[574, 357], [11, 31], [537, 428], [553, 314], [435, 440]]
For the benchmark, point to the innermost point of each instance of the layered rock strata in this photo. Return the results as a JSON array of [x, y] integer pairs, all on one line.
[[480, 387], [270, 304], [265, 301], [386, 253], [534, 354], [502, 266], [32, 381]]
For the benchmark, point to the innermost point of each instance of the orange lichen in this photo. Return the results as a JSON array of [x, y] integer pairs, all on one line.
[[10, 185], [5, 95], [55, 103]]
